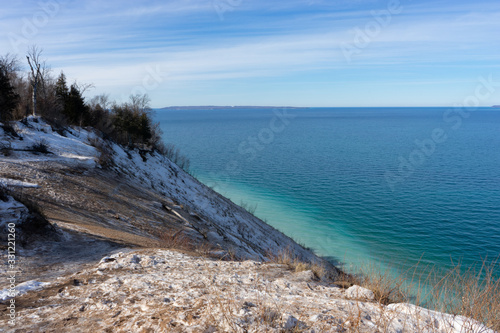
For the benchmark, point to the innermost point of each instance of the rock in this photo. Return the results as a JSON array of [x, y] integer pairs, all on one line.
[[304, 276], [292, 323], [358, 292], [135, 259]]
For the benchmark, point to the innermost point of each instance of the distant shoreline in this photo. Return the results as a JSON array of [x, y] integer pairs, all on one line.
[[215, 107]]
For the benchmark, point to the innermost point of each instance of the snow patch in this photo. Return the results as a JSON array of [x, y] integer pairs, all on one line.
[[74, 147], [16, 183], [22, 288]]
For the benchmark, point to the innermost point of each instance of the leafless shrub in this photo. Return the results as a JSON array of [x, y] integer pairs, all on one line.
[[174, 154], [40, 146], [106, 153]]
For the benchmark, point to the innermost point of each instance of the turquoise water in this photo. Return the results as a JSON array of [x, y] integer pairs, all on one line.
[[381, 185]]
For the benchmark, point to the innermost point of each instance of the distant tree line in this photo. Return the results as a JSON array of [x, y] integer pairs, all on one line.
[[38, 92]]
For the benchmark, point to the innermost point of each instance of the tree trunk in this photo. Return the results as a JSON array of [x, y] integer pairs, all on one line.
[[35, 86]]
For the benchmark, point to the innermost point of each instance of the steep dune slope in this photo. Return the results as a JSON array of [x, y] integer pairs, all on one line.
[[138, 198]]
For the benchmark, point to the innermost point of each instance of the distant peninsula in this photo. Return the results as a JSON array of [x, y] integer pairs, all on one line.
[[496, 106], [214, 107]]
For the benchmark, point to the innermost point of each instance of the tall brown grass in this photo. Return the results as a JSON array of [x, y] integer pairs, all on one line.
[[471, 292]]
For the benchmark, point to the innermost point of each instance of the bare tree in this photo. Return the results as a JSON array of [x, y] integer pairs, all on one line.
[[82, 87], [101, 101], [140, 103], [10, 63], [36, 77]]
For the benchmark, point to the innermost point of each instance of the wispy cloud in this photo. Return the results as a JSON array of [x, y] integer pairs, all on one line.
[[262, 42]]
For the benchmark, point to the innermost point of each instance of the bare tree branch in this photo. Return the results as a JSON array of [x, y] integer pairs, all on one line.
[[36, 78], [82, 87]]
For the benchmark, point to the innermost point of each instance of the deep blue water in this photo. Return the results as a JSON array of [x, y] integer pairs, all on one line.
[[386, 185]]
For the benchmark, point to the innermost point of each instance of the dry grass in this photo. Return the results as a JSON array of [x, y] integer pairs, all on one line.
[[472, 292], [177, 240], [320, 269], [386, 287]]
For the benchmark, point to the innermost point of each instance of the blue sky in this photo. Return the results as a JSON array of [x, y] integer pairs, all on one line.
[[254, 52]]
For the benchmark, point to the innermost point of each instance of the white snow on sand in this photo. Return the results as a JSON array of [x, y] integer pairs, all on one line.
[[22, 288], [16, 183]]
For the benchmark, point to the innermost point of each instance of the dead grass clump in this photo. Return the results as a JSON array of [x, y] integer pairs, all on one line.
[[248, 207], [105, 152], [321, 270], [177, 240], [386, 287]]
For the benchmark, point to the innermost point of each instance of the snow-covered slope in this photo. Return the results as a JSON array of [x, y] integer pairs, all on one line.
[[73, 147], [217, 219]]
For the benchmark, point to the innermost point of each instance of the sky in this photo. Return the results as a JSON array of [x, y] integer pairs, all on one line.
[[314, 53]]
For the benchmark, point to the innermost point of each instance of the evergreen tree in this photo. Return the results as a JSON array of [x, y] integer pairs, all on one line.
[[8, 97], [75, 108], [62, 91]]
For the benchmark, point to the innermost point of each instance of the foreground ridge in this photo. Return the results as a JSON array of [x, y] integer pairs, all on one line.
[[167, 291]]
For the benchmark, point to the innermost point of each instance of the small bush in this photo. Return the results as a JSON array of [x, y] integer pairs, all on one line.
[[473, 292], [41, 146], [10, 130], [386, 287], [168, 239], [5, 148]]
